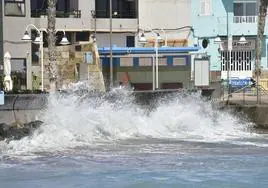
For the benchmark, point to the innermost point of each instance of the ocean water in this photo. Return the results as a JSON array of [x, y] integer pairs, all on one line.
[[110, 141]]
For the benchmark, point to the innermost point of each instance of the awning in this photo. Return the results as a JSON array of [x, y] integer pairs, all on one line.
[[145, 50]]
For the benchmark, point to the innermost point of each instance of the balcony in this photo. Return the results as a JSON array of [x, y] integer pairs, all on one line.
[[119, 14], [59, 14], [245, 19]]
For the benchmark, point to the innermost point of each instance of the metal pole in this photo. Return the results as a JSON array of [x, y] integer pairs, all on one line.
[[166, 44], [244, 93], [153, 72], [28, 72], [42, 60], [156, 59], [111, 50], [228, 74], [257, 81], [229, 49], [95, 24]]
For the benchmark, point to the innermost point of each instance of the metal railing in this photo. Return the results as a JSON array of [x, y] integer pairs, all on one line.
[[247, 95], [245, 19], [264, 83], [59, 14], [119, 14]]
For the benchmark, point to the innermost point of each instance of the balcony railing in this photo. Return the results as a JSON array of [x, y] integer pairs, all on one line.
[[120, 14], [59, 14], [245, 19]]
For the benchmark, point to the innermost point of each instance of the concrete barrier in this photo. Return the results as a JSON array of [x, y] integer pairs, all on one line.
[[22, 107]]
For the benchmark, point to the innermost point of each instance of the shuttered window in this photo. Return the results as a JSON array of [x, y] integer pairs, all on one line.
[[205, 8]]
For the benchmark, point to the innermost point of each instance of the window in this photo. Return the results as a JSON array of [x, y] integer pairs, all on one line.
[[18, 73], [15, 8], [205, 43], [18, 64], [245, 11], [245, 8], [241, 60], [205, 8], [130, 41], [82, 36], [64, 8], [38, 8], [121, 8]]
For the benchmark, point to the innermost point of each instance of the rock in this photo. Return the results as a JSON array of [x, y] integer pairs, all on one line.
[[3, 129], [10, 132], [33, 124]]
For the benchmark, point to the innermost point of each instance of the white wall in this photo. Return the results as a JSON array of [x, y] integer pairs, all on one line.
[[166, 14], [118, 39]]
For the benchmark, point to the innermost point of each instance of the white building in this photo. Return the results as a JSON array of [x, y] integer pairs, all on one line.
[[81, 18]]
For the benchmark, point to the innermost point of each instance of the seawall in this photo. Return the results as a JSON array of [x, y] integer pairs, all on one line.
[[29, 107], [256, 113], [22, 107]]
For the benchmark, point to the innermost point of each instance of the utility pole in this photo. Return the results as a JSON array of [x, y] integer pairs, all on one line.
[[260, 37], [51, 24]]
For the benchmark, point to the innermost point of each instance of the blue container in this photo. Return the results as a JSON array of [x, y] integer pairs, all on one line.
[[239, 82], [2, 98]]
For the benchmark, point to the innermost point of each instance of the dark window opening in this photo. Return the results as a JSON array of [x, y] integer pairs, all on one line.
[[64, 8], [142, 86], [205, 43], [15, 8], [172, 85], [121, 8], [82, 36], [78, 48], [130, 41], [245, 9]]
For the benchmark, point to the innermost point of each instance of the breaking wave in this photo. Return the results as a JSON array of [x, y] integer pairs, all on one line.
[[81, 118]]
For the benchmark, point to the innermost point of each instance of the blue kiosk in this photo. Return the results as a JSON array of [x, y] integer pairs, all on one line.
[[138, 66]]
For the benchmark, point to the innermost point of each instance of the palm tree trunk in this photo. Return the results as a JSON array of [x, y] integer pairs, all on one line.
[[53, 69], [260, 37]]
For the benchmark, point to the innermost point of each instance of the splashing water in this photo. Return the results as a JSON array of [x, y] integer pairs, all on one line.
[[79, 119]]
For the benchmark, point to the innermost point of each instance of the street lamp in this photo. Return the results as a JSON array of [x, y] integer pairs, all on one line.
[[218, 40], [39, 40], [166, 44], [158, 38], [111, 50]]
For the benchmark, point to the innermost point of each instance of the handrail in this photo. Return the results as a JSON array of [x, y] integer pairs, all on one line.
[[263, 89], [241, 89], [260, 87]]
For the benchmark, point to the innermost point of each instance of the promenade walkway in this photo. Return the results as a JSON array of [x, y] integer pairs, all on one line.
[[246, 99]]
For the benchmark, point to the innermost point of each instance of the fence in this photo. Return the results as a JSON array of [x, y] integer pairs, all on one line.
[[264, 83], [247, 95]]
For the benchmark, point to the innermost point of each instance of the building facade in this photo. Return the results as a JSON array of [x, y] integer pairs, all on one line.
[[82, 18], [72, 16], [154, 18], [229, 20]]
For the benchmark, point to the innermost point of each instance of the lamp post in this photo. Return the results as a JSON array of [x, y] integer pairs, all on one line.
[[156, 41], [166, 44], [39, 40], [111, 47]]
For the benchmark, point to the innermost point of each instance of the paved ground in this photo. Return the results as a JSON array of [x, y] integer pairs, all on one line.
[[247, 99]]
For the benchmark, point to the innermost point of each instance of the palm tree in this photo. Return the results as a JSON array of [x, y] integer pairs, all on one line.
[[260, 37], [53, 69]]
